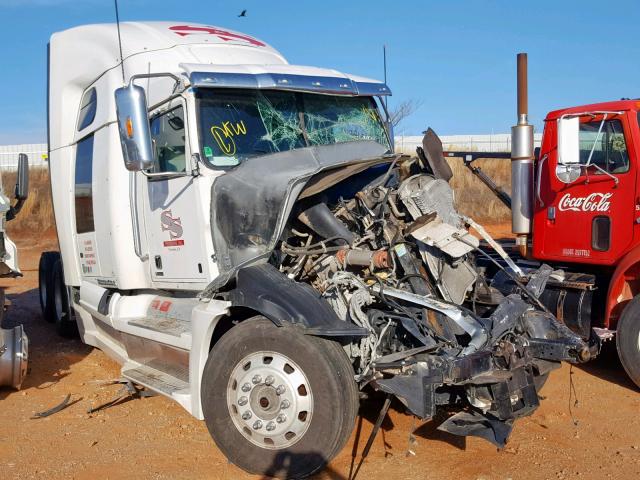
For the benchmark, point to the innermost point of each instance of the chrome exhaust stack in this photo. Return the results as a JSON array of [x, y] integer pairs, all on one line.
[[522, 159]]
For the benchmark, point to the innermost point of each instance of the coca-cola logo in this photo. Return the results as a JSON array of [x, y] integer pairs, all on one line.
[[595, 202]]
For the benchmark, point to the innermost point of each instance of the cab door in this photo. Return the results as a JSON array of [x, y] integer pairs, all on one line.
[[590, 220], [174, 237]]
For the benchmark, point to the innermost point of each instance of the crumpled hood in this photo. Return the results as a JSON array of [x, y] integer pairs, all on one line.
[[251, 203]]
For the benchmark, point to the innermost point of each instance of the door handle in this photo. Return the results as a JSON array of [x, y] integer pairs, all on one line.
[[539, 179]]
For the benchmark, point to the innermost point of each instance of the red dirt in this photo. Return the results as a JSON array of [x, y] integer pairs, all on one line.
[[156, 438]]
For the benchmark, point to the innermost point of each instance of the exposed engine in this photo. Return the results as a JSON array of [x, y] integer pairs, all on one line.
[[388, 251]]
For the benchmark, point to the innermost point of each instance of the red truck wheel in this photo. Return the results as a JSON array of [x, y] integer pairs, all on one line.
[[628, 339]]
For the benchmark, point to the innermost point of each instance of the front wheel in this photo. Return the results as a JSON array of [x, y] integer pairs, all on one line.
[[278, 402], [628, 339]]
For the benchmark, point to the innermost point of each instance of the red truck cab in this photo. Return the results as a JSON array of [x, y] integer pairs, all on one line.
[[594, 219]]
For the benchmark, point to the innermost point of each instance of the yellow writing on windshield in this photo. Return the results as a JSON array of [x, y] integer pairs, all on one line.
[[370, 113], [224, 133]]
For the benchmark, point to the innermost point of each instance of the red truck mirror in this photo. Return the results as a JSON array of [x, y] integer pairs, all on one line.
[[569, 140], [568, 168], [133, 125]]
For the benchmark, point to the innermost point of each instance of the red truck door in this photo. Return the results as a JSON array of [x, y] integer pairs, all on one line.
[[591, 219]]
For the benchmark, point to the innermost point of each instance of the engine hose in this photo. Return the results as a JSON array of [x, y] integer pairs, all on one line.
[[322, 221]]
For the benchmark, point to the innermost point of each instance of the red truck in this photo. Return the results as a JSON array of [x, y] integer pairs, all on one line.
[[587, 213], [575, 205]]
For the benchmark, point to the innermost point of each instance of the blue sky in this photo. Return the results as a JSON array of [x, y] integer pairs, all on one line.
[[456, 58]]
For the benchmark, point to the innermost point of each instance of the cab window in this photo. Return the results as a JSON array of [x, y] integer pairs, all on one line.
[[606, 149], [83, 189], [88, 107], [168, 136]]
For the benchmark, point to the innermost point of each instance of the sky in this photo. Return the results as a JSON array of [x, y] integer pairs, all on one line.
[[455, 59]]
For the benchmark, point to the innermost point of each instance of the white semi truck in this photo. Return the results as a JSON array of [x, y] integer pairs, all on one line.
[[238, 233]]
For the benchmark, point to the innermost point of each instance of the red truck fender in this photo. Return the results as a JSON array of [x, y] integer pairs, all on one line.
[[624, 285]]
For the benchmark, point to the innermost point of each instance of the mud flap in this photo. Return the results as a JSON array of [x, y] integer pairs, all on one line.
[[417, 396], [479, 425]]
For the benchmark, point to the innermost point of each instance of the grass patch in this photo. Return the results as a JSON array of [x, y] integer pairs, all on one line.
[[36, 216], [472, 197]]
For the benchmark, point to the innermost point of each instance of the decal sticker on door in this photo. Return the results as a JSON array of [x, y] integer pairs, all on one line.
[[88, 260], [595, 202], [173, 225]]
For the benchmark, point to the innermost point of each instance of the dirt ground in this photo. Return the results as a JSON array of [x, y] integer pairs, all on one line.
[[156, 438]]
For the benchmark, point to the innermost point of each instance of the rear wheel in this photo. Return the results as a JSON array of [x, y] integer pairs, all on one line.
[[628, 339], [45, 279], [62, 317], [278, 402]]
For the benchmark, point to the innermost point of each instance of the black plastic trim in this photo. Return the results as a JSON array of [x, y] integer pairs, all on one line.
[[283, 301]]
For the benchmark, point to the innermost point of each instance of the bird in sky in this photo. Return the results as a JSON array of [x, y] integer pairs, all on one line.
[[243, 13]]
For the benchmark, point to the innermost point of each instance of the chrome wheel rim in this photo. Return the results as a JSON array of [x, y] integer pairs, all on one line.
[[270, 400]]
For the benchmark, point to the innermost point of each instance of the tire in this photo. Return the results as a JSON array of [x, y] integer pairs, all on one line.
[[330, 399], [45, 279], [628, 339], [65, 323]]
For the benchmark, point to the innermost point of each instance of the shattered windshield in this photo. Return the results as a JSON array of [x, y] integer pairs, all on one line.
[[239, 124]]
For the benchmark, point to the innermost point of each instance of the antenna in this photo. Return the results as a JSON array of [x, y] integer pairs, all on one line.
[[384, 60], [119, 40]]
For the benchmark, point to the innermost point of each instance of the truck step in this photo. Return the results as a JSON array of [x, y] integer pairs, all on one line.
[[604, 334], [156, 380]]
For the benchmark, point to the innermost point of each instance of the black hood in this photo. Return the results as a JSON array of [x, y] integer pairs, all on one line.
[[251, 203]]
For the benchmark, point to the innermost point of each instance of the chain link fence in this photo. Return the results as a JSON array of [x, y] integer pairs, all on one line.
[[37, 153], [500, 142]]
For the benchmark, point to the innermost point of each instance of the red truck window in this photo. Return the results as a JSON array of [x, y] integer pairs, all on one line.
[[604, 147]]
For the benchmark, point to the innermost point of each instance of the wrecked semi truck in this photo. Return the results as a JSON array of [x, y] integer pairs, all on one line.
[[238, 233], [14, 344]]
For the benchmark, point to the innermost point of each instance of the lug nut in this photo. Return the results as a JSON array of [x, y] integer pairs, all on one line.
[[281, 418], [246, 387], [280, 389], [242, 401], [269, 380], [246, 415], [256, 379], [257, 425], [271, 426], [285, 403]]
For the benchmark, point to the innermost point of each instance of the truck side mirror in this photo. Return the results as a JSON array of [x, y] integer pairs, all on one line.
[[133, 125], [22, 179], [568, 168], [569, 141], [21, 190]]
